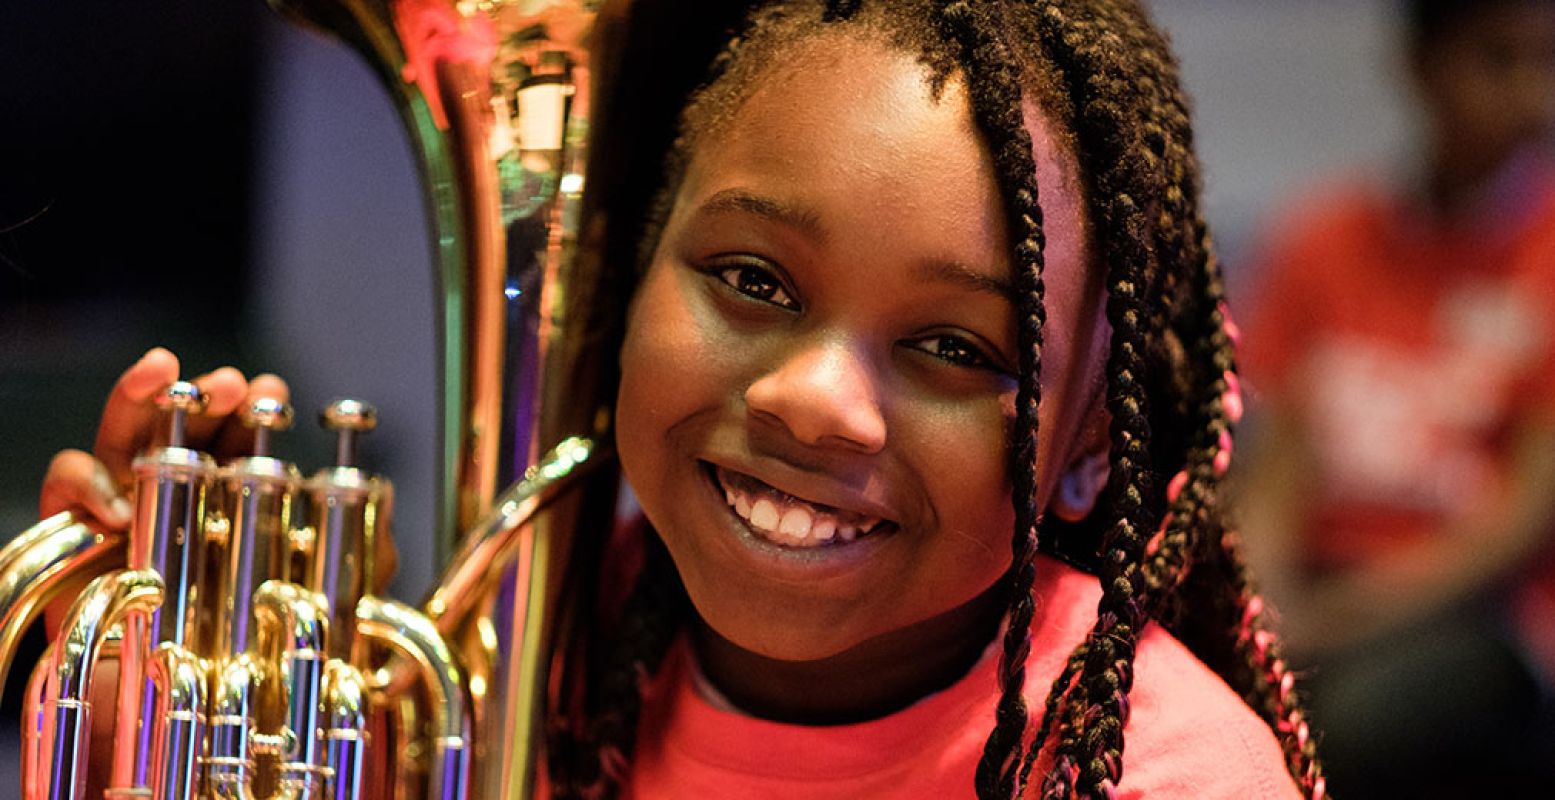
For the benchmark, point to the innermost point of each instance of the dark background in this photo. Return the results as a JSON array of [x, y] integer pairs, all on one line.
[[125, 186]]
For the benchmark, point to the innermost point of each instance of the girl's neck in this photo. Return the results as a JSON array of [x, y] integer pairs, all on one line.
[[878, 677]]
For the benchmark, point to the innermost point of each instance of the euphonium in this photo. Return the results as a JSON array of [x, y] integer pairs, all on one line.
[[231, 639]]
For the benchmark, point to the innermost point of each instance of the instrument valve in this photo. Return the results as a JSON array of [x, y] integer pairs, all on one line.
[[349, 419], [266, 415], [182, 399]]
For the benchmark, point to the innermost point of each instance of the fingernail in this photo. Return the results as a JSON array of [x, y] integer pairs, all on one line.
[[120, 507], [103, 483]]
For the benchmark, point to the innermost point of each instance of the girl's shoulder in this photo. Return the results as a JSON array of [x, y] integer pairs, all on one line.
[[1188, 734]]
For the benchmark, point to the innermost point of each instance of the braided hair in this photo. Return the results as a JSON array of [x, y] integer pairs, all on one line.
[[1159, 543]]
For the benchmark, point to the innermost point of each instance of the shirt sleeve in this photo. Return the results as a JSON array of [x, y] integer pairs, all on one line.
[[1190, 736]]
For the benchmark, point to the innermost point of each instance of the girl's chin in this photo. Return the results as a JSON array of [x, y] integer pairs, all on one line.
[[790, 641]]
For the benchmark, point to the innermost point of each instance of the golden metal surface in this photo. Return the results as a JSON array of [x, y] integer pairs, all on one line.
[[67, 710], [39, 564], [253, 658]]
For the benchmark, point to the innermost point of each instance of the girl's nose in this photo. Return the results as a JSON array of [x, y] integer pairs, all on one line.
[[825, 395]]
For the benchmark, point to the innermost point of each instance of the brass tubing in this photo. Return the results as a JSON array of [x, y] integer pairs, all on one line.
[[488, 547], [414, 636], [67, 717], [259, 496], [38, 564], [179, 724], [33, 703], [170, 494], [349, 511], [230, 763], [167, 536], [505, 540], [298, 622], [345, 732]]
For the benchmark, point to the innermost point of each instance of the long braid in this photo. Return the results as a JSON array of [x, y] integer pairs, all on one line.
[[1272, 685], [995, 92], [1187, 262], [1085, 51], [1261, 676], [1267, 683], [1060, 691]]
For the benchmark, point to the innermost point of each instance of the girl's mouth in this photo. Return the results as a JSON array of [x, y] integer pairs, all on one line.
[[788, 521]]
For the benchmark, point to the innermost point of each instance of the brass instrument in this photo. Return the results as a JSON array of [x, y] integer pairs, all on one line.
[[231, 640]]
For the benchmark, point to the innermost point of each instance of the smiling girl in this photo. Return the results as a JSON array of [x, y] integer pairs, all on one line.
[[925, 392]]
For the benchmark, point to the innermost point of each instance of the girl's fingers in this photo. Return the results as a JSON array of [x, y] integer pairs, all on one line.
[[131, 419], [224, 390], [95, 486], [130, 415], [78, 482], [236, 439]]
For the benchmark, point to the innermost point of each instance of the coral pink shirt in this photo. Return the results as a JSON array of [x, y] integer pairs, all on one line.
[[1188, 735]]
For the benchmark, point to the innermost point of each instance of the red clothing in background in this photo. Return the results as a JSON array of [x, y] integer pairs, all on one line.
[[1409, 353], [1188, 735]]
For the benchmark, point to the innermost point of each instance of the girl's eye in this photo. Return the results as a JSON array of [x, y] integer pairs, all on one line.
[[758, 283], [956, 350]]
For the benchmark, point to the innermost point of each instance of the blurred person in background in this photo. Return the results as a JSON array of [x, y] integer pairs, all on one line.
[[1400, 500]]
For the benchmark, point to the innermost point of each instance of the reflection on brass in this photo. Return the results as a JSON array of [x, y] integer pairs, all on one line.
[[251, 654], [274, 703]]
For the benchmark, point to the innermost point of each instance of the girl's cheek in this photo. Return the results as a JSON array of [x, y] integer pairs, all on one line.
[[674, 347]]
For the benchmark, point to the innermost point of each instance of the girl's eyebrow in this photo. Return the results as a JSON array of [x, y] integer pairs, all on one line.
[[807, 221], [745, 201], [959, 274]]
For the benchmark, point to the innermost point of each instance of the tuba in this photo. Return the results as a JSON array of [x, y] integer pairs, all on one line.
[[231, 643]]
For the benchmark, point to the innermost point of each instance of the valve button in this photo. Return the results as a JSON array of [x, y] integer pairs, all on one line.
[[268, 412], [182, 399], [182, 396], [349, 415], [264, 415], [348, 418]]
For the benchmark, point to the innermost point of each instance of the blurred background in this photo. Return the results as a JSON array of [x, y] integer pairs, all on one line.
[[209, 178]]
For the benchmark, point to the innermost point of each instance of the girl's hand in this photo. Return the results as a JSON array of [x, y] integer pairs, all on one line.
[[94, 485]]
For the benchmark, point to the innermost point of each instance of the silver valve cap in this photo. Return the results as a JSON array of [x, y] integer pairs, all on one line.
[[348, 418], [182, 399], [265, 415]]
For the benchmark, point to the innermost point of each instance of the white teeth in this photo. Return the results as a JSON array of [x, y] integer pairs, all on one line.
[[796, 523], [764, 515], [792, 522]]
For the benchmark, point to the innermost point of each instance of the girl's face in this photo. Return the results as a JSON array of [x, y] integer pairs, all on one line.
[[818, 376]]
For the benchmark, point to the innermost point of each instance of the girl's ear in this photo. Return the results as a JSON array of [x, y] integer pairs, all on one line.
[[1080, 486], [1083, 480]]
